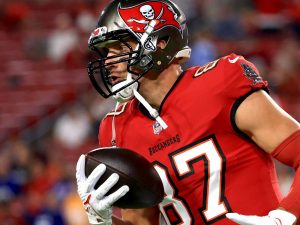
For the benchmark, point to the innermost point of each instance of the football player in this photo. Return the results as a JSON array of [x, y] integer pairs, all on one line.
[[210, 131]]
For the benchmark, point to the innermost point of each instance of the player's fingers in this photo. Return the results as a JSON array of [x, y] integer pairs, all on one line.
[[112, 198], [80, 175], [95, 176], [242, 219], [106, 186]]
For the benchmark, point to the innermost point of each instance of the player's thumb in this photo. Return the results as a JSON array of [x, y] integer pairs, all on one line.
[[80, 175]]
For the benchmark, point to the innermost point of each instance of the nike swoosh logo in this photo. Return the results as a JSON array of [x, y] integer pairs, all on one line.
[[234, 60]]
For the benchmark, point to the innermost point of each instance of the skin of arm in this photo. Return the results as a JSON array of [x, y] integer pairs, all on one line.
[[148, 216], [264, 121]]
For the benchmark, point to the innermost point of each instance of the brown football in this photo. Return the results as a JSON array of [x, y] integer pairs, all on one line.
[[145, 186]]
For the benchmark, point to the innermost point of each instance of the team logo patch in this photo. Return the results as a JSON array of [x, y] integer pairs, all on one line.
[[251, 74], [157, 128], [138, 17], [98, 32]]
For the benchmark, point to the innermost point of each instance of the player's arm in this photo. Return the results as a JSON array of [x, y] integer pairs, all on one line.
[[264, 121], [149, 216], [271, 128]]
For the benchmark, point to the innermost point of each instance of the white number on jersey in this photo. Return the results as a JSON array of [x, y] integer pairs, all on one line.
[[214, 202]]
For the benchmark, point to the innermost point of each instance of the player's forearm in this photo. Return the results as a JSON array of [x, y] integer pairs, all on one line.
[[117, 221], [146, 216], [137, 221], [288, 152]]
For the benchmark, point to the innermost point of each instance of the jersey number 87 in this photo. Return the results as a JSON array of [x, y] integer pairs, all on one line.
[[214, 202]]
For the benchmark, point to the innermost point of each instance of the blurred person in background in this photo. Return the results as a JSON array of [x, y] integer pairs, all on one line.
[[63, 39], [73, 127], [72, 209]]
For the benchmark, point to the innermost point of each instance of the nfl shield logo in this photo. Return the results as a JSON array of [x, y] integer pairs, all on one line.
[[157, 128]]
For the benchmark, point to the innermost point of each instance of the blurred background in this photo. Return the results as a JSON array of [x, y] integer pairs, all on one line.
[[49, 112]]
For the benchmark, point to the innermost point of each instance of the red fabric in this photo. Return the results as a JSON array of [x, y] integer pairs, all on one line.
[[288, 152], [197, 111], [291, 202], [270, 6]]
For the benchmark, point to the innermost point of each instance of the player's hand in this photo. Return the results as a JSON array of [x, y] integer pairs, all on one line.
[[275, 217], [97, 205]]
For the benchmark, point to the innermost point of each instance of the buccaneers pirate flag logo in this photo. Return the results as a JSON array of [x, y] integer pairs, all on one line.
[[138, 17]]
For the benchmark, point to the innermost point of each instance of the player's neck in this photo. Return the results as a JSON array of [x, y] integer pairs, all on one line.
[[155, 90]]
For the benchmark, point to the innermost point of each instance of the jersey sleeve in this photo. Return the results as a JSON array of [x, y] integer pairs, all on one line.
[[240, 77]]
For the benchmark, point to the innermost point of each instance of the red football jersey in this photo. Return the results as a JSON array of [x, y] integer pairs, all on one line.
[[207, 166]]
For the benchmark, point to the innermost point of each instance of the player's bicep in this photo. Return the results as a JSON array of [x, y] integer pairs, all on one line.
[[148, 216], [264, 121]]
